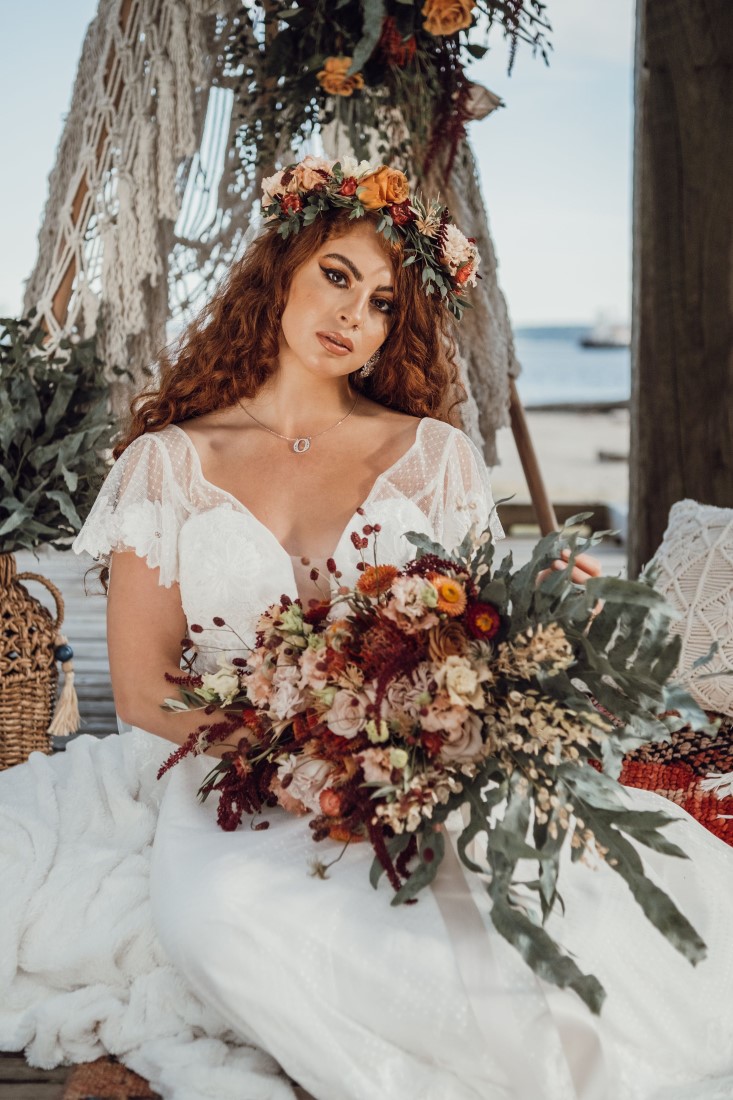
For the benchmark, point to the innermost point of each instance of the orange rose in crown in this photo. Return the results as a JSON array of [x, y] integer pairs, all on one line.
[[443, 17], [386, 185]]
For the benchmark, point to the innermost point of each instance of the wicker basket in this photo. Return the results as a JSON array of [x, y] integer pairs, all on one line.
[[106, 1079], [28, 669]]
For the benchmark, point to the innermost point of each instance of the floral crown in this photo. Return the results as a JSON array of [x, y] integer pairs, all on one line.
[[299, 193]]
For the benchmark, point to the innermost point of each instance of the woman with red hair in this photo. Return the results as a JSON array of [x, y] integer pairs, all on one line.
[[316, 394]]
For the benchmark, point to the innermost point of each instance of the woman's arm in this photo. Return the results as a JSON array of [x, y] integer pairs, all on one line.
[[145, 625]]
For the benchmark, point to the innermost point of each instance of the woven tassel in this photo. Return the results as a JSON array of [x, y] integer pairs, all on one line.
[[66, 718], [720, 783]]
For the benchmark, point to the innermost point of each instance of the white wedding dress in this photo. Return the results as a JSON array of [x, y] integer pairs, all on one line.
[[218, 966]]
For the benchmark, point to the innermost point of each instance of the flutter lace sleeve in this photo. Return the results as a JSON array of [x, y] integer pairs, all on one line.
[[467, 501], [140, 507]]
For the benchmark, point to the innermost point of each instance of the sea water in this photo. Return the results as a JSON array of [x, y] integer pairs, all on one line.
[[557, 370]]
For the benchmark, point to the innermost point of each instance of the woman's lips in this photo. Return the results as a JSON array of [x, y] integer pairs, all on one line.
[[332, 341]]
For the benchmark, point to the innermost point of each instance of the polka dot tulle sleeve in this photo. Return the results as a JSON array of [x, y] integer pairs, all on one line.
[[468, 502], [140, 507]]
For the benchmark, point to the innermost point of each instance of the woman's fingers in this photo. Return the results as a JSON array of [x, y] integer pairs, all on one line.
[[586, 562], [584, 567]]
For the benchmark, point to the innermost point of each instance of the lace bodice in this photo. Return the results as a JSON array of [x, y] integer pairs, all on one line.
[[157, 502]]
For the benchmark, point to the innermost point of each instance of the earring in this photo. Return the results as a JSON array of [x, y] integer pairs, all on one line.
[[368, 367]]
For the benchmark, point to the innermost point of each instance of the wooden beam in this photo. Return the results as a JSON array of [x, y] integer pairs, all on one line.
[[543, 508]]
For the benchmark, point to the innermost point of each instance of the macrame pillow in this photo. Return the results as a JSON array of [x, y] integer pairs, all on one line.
[[696, 576]]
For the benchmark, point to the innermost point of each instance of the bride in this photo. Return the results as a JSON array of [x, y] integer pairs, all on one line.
[[314, 395]]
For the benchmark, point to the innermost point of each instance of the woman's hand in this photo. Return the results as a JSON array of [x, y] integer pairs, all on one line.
[[585, 567]]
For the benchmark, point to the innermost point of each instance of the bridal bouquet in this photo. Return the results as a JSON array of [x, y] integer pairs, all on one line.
[[451, 685]]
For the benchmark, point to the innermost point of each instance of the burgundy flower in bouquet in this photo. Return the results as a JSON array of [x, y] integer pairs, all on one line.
[[445, 685]]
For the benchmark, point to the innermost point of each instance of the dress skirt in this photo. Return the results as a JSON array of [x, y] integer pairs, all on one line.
[[361, 1000]]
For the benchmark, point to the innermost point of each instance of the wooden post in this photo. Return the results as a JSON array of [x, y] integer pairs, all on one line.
[[682, 320], [538, 493]]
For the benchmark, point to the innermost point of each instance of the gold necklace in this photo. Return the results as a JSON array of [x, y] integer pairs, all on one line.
[[301, 443]]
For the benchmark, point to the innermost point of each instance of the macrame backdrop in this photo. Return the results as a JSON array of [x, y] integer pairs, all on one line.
[[148, 203], [485, 337]]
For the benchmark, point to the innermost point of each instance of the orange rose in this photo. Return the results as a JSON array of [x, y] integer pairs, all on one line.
[[333, 78], [447, 16], [386, 185]]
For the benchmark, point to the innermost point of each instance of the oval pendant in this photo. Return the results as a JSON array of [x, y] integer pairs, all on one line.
[[301, 445]]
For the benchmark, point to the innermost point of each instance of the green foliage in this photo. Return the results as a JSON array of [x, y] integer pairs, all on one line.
[[623, 655], [54, 428], [274, 53]]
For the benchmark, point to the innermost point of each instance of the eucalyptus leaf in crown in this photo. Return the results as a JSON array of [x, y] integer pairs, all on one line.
[[447, 685], [449, 260]]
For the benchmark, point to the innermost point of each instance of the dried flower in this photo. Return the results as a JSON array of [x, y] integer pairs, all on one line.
[[451, 594], [443, 17], [291, 204], [401, 213], [540, 645], [395, 49], [376, 579], [482, 620], [331, 802], [458, 252], [311, 172], [334, 80], [446, 639]]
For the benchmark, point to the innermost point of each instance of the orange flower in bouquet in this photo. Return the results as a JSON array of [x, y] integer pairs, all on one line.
[[452, 684]]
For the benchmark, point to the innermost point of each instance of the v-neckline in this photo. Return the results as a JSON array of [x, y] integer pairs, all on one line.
[[263, 526]]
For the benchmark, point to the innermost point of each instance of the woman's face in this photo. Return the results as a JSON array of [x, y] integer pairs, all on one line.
[[340, 304]]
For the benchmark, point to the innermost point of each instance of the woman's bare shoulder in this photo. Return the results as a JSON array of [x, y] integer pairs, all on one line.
[[390, 422], [211, 427]]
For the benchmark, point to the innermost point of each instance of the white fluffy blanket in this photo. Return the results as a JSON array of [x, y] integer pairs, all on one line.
[[81, 970]]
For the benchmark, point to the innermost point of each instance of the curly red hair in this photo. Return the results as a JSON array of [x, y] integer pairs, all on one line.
[[231, 348]]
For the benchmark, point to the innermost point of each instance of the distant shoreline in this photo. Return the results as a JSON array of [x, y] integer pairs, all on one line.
[[579, 407]]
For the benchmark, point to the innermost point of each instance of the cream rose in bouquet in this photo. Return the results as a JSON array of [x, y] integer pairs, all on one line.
[[452, 684]]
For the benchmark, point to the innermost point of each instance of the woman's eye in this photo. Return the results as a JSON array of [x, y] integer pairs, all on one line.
[[329, 272], [338, 278]]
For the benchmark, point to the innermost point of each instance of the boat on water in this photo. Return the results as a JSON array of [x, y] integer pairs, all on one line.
[[607, 334]]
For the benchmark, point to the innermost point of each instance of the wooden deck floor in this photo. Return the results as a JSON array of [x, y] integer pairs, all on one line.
[[19, 1081]]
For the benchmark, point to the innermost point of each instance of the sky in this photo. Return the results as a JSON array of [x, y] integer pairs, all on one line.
[[555, 163]]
